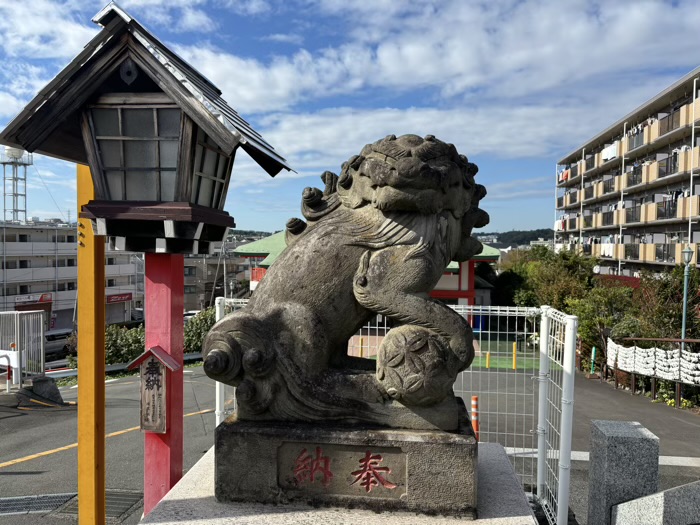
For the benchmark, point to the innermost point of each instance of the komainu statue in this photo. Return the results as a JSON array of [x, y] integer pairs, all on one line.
[[375, 241]]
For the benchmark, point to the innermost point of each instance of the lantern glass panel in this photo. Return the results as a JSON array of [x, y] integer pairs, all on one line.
[[139, 151], [140, 154], [168, 153], [169, 123], [110, 150], [138, 122], [210, 172], [167, 186], [115, 183], [142, 186], [106, 122]]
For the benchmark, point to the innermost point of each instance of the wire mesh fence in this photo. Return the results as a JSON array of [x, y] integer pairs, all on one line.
[[22, 342]]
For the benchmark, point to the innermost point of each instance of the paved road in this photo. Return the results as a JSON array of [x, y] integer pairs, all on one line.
[[25, 433]]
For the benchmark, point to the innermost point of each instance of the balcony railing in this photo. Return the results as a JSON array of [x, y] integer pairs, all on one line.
[[633, 214], [666, 209], [573, 172], [560, 202], [590, 162], [666, 253], [608, 186], [635, 141], [573, 197], [668, 166], [587, 221], [634, 177], [669, 122], [608, 218], [588, 192], [571, 224], [632, 252]]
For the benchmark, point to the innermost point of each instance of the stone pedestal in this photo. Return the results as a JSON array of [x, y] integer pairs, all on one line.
[[624, 465], [378, 469]]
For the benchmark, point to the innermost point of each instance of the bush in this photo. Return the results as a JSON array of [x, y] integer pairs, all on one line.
[[198, 327]]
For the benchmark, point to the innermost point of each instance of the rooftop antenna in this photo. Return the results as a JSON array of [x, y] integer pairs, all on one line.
[[14, 183]]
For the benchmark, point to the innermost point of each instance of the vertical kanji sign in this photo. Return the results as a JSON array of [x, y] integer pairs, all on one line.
[[154, 364]]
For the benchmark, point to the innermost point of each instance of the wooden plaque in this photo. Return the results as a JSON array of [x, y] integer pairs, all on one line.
[[153, 395]]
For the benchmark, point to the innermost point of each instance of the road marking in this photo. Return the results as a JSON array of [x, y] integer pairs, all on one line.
[[74, 445], [577, 455]]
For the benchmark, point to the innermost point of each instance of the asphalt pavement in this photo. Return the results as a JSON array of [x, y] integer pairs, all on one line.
[[38, 453]]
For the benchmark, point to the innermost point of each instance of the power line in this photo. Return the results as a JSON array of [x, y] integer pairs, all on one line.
[[49, 192]]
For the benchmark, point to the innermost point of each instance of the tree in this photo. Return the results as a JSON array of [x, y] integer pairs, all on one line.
[[599, 312]]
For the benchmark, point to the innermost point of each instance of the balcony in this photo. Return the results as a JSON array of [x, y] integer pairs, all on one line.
[[589, 163], [634, 177], [633, 214], [666, 253], [573, 172], [632, 252], [588, 221], [571, 224], [608, 218], [669, 122], [560, 202], [668, 166], [588, 192], [609, 186], [666, 210], [573, 197], [635, 141], [688, 206]]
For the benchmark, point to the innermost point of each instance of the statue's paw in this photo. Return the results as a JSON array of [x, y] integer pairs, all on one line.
[[412, 366], [222, 357]]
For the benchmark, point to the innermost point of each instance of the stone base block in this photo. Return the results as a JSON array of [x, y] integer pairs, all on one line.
[[428, 471], [675, 506]]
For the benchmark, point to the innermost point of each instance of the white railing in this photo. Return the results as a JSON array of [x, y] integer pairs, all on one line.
[[523, 375], [22, 343]]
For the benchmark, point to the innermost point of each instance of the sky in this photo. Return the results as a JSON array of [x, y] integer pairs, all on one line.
[[514, 84]]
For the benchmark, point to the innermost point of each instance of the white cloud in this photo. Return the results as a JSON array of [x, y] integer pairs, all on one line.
[[42, 29], [247, 7], [285, 38]]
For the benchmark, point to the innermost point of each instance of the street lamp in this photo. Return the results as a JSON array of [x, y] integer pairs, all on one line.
[[687, 257]]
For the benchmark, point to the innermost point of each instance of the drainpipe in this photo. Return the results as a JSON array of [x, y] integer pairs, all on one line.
[[622, 193], [692, 163]]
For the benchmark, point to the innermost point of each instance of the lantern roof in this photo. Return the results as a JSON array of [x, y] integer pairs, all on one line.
[[50, 123]]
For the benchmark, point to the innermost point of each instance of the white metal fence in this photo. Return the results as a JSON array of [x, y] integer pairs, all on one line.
[[523, 375], [22, 343], [555, 412]]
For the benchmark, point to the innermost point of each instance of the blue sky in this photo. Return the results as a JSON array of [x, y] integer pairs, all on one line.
[[514, 84]]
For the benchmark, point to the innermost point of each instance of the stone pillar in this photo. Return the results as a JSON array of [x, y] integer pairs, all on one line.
[[624, 465]]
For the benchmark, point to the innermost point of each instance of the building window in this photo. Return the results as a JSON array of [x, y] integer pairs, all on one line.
[[70, 285], [61, 263], [111, 282], [23, 289], [71, 238], [23, 238], [190, 289], [110, 260], [10, 265], [190, 271], [70, 262], [24, 263], [10, 237]]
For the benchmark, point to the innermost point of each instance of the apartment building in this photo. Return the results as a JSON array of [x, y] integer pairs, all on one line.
[[630, 195], [39, 272], [209, 277]]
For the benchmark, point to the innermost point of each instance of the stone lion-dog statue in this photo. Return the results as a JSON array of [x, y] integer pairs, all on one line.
[[376, 240]]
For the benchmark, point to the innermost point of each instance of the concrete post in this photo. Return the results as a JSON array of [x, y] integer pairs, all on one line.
[[624, 465]]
